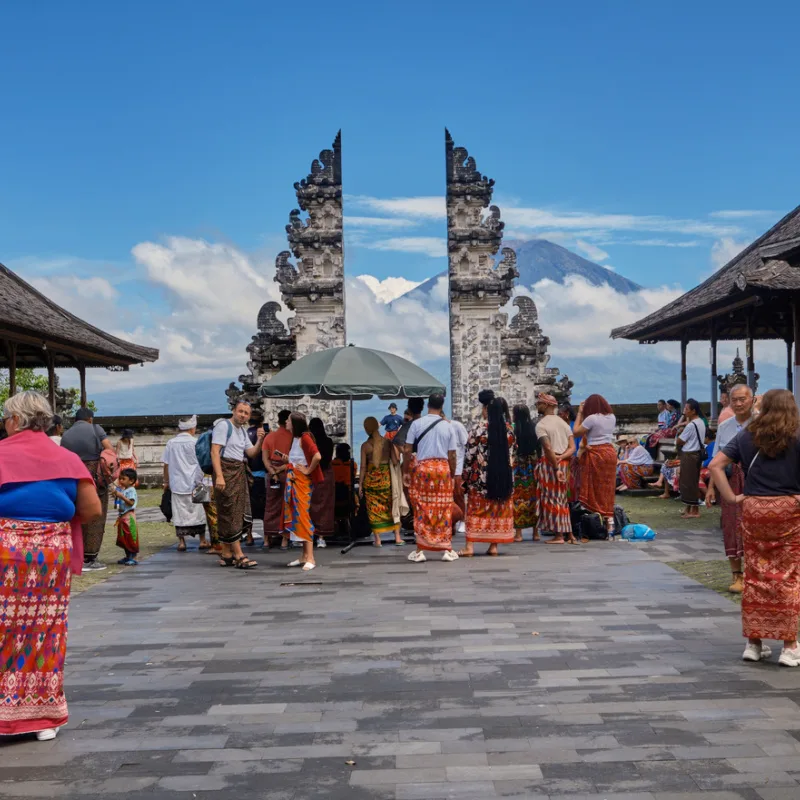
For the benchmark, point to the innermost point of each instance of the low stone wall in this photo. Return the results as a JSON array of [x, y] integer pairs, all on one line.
[[151, 433]]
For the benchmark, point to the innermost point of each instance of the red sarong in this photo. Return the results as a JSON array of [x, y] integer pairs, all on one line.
[[431, 495], [553, 508], [631, 474], [489, 521], [771, 597], [599, 479], [34, 597], [732, 516]]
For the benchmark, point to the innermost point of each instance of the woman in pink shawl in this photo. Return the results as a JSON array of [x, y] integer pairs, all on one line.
[[45, 494]]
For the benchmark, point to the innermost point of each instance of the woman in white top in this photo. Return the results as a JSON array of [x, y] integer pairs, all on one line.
[[691, 444], [634, 466], [596, 424]]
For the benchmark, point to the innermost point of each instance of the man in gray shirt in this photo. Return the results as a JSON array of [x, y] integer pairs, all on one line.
[[87, 440]]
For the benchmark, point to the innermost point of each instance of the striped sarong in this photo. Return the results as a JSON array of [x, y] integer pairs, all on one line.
[[631, 475], [378, 497], [489, 521], [771, 597], [731, 514], [297, 505], [552, 504], [598, 479], [34, 598], [525, 492], [431, 495]]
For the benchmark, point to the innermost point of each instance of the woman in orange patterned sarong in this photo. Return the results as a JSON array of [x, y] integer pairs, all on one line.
[[489, 479], [598, 460], [769, 453]]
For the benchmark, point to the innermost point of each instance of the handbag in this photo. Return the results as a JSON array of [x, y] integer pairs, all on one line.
[[201, 493], [107, 470], [166, 504]]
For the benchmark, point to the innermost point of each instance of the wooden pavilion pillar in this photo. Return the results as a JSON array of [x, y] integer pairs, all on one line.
[[789, 366], [82, 373], [11, 349], [51, 380], [684, 379], [713, 359], [751, 364]]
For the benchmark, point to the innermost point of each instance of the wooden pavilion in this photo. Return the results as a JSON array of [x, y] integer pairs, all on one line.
[[754, 296], [37, 333]]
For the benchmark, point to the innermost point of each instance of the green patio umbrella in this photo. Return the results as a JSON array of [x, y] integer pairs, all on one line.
[[352, 373]]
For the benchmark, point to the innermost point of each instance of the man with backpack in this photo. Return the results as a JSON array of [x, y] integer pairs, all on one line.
[[230, 449], [91, 444]]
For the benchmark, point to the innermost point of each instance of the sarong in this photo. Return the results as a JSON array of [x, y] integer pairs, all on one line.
[[689, 481], [34, 597], [128, 532], [732, 516], [189, 518], [378, 497], [671, 472], [654, 439], [771, 597], [273, 510], [391, 434], [631, 474], [258, 497], [211, 520], [431, 495], [323, 501], [489, 521], [93, 532], [297, 505], [598, 479], [233, 502], [552, 504], [574, 479], [524, 493]]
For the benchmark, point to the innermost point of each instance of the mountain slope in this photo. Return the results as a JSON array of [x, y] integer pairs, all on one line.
[[540, 259]]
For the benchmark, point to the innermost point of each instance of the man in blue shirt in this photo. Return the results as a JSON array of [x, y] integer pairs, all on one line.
[[392, 422]]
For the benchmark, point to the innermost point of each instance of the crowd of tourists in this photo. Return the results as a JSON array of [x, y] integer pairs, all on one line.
[[508, 473]]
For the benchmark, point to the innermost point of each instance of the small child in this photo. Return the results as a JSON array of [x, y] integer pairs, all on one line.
[[125, 499]]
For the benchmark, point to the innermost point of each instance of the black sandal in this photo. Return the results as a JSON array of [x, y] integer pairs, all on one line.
[[226, 562], [245, 563]]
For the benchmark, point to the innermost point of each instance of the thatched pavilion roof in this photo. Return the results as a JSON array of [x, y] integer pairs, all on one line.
[[37, 326], [752, 284]]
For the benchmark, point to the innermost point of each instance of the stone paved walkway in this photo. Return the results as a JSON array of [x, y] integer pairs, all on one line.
[[551, 672]]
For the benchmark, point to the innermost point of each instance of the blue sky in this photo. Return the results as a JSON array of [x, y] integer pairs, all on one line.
[[132, 123]]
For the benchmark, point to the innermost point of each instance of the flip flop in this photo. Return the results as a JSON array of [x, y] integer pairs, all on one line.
[[494, 555], [556, 541], [182, 548], [226, 562], [245, 563], [465, 554], [202, 546]]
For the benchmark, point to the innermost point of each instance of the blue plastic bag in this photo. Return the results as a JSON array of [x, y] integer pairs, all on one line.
[[638, 533]]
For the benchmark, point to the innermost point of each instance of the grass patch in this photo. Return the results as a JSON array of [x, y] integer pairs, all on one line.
[[153, 537], [715, 575], [149, 498], [664, 514]]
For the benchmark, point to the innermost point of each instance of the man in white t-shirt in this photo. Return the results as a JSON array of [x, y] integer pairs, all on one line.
[[429, 475], [230, 446]]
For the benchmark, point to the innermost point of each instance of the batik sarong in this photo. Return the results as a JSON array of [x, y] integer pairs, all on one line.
[[671, 472], [34, 596], [211, 520], [553, 507], [378, 497], [689, 480], [297, 505], [654, 439], [490, 521], [631, 475], [188, 517], [731, 514], [323, 502], [771, 596], [233, 502], [128, 533], [431, 495], [524, 492], [574, 479], [94, 530], [598, 479]]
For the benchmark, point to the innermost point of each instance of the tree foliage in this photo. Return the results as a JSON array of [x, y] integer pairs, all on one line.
[[67, 400]]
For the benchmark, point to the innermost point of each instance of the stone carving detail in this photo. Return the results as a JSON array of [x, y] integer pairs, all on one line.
[[737, 376], [484, 351], [312, 286]]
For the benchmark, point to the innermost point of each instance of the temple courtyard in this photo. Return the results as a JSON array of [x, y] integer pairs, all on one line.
[[551, 672]]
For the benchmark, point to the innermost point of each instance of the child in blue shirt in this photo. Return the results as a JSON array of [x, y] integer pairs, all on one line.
[[125, 500], [392, 422]]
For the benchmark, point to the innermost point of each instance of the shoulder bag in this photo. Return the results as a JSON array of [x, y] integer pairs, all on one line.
[[424, 434]]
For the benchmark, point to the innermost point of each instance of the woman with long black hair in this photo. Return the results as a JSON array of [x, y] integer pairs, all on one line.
[[488, 478], [526, 453], [322, 501], [692, 452]]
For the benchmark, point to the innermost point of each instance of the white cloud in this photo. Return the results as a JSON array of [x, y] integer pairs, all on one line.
[[591, 250], [740, 214], [428, 245], [660, 243], [427, 207], [724, 250], [379, 222], [388, 289]]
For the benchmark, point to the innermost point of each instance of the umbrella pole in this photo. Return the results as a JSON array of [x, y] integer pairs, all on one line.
[[351, 424]]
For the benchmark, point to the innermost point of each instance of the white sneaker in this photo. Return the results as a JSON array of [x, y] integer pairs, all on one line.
[[321, 543], [790, 658], [47, 735], [296, 563], [450, 555], [308, 566], [417, 556], [756, 652]]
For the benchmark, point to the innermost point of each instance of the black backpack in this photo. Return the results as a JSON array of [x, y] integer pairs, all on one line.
[[592, 527], [621, 519]]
